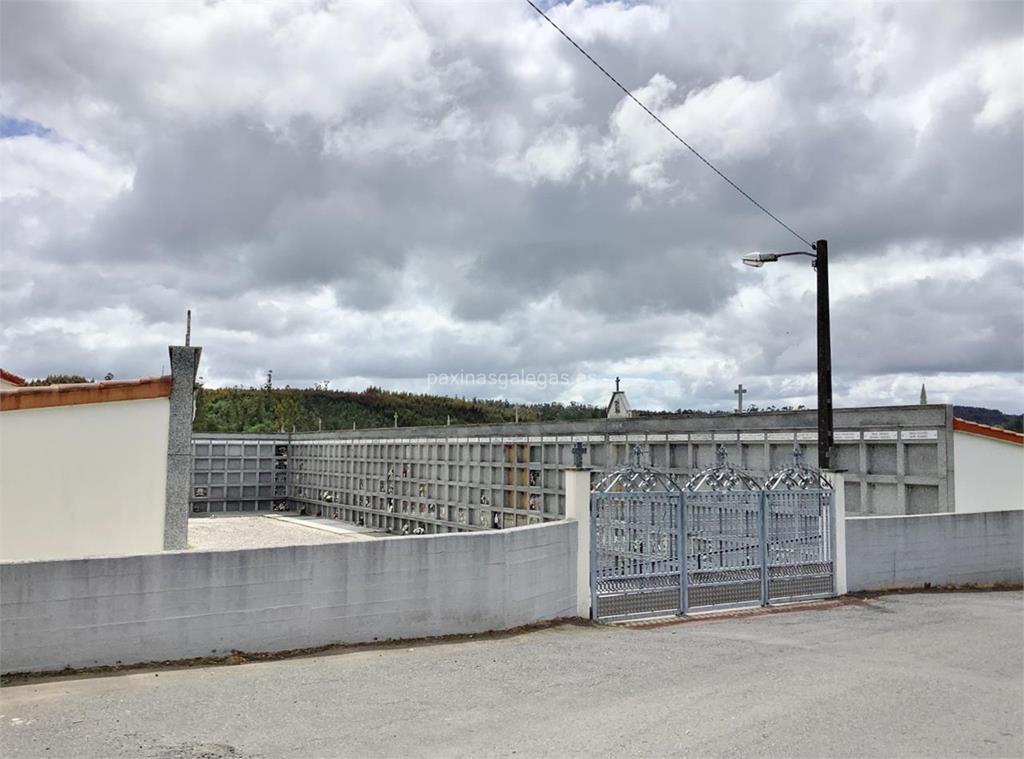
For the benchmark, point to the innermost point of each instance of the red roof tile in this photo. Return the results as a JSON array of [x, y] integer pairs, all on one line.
[[19, 398], [11, 377], [974, 428]]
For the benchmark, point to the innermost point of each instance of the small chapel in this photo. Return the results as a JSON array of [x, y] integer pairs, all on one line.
[[618, 405]]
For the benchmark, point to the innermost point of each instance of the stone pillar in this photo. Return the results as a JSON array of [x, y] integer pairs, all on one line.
[[838, 482], [184, 365], [577, 506]]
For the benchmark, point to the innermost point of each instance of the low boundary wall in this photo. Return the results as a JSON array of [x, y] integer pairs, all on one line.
[[184, 604], [937, 549]]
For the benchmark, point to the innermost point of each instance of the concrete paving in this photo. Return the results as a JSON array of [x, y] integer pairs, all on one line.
[[902, 675], [228, 532]]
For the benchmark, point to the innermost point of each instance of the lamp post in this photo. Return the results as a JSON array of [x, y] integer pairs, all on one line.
[[819, 260]]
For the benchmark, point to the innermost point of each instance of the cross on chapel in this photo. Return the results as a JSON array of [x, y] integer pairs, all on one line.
[[740, 392]]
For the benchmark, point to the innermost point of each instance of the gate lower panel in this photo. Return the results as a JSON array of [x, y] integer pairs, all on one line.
[[638, 597], [800, 581], [724, 587]]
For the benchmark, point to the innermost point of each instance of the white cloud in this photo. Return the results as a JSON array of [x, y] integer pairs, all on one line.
[[554, 156], [35, 166]]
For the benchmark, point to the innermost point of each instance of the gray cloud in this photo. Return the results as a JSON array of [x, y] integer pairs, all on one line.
[[397, 191]]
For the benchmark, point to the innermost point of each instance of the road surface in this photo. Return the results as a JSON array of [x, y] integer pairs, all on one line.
[[903, 675]]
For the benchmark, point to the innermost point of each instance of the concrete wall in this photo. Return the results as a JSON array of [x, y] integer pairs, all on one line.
[[898, 460], [989, 473], [940, 549], [87, 612], [83, 480]]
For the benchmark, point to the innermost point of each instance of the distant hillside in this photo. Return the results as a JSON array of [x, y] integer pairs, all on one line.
[[240, 409], [991, 416], [268, 410]]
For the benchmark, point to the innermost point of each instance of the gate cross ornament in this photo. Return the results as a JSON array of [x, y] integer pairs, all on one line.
[[721, 455], [577, 454]]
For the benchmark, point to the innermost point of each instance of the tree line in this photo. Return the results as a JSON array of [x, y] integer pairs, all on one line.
[[267, 409], [270, 409]]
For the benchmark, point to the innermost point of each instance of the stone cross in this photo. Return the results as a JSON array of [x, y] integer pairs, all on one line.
[[577, 454], [740, 392], [617, 384]]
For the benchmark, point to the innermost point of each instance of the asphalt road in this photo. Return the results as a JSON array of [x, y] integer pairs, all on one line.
[[914, 675]]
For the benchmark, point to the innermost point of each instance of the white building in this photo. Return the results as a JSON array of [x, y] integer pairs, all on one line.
[[989, 467], [98, 468]]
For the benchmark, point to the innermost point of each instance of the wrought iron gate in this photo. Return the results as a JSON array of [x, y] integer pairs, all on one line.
[[800, 533], [635, 546], [722, 540]]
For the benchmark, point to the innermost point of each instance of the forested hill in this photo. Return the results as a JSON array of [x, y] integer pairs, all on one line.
[[270, 410], [991, 417]]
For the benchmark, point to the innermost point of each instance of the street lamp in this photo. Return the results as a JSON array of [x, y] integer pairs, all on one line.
[[819, 260], [757, 260]]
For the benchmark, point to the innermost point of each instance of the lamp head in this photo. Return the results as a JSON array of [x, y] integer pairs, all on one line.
[[757, 260]]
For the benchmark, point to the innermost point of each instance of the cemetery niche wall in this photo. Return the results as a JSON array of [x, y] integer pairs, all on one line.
[[898, 460]]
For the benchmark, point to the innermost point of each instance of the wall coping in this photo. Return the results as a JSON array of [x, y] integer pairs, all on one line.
[[194, 552], [936, 514]]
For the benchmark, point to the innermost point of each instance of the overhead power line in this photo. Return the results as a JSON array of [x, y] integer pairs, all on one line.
[[669, 129]]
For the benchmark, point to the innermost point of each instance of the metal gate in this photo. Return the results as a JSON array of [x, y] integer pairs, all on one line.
[[800, 533], [722, 509], [742, 543], [635, 545]]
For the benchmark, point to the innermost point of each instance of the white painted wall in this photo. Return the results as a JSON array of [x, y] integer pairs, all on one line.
[[988, 474], [838, 482], [577, 507], [83, 480], [916, 550]]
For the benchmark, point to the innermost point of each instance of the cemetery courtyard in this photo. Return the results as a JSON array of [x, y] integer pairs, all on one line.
[[930, 674], [238, 531]]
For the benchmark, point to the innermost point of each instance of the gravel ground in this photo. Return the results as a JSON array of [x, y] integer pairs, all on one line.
[[230, 532], [929, 675]]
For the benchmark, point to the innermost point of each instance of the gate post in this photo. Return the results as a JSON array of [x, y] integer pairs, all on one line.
[[838, 480], [577, 506], [762, 534], [684, 570]]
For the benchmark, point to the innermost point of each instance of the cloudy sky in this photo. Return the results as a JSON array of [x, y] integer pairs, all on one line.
[[384, 191]]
